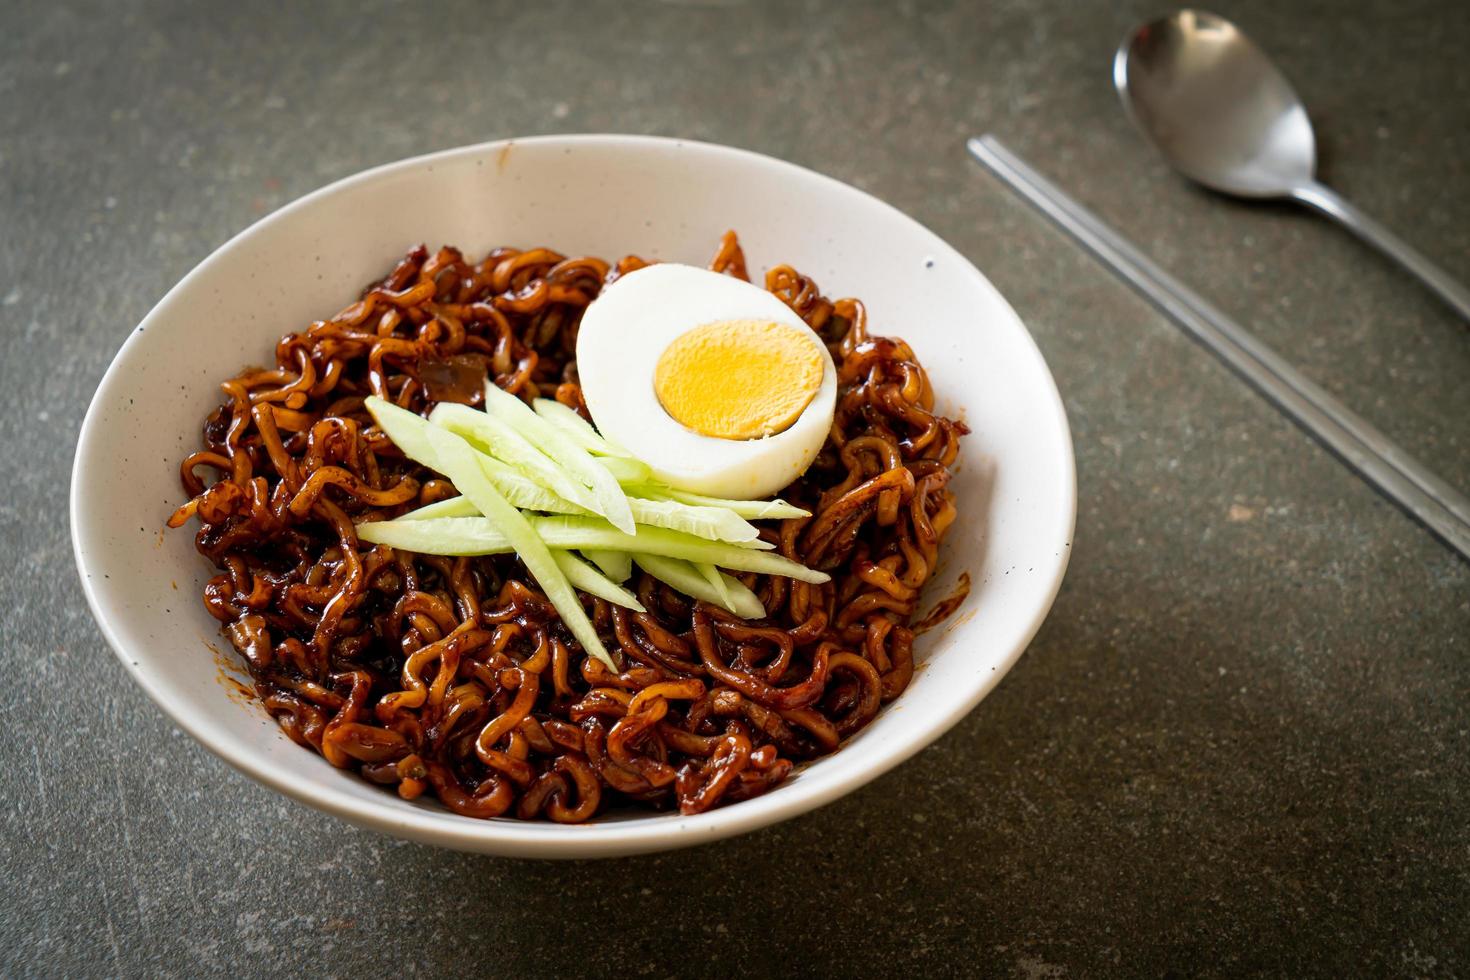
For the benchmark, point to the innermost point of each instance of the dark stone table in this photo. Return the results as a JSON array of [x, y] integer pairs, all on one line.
[[1241, 742]]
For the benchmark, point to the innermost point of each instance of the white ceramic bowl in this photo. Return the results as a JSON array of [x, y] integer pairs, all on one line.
[[599, 195]]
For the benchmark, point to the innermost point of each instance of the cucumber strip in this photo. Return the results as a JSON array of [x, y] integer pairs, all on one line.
[[626, 470], [591, 532], [754, 510], [745, 603], [616, 565], [525, 493], [716, 579], [451, 455], [453, 507], [479, 536], [404, 428], [508, 445], [583, 576], [534, 498], [684, 577], [453, 536], [578, 428], [714, 523], [457, 461], [563, 450]]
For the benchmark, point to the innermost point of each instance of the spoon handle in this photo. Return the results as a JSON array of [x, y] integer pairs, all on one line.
[[1329, 202]]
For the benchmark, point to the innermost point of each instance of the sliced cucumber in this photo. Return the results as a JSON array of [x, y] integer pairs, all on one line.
[[460, 506], [686, 578], [716, 579], [616, 565], [407, 430], [503, 442], [479, 536], [626, 470], [712, 523], [457, 461], [438, 535], [517, 489], [576, 427], [592, 532], [754, 510], [590, 580], [562, 449], [524, 492], [451, 455]]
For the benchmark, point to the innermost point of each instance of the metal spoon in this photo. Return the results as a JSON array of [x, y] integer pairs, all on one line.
[[1222, 114]]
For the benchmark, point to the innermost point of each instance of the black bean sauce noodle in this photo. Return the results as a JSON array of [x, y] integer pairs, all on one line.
[[455, 675]]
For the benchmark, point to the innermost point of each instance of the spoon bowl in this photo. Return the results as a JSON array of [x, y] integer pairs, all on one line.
[[1222, 114], [1216, 106]]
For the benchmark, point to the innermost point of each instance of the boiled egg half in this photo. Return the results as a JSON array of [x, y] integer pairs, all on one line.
[[714, 383]]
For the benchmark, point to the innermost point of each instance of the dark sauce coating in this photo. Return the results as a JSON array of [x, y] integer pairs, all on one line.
[[455, 675]]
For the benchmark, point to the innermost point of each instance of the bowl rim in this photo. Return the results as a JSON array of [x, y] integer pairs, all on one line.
[[658, 832]]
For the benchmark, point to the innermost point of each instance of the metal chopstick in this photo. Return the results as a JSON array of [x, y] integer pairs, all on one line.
[[1383, 463]]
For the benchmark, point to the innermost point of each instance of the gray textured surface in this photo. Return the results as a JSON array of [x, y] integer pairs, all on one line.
[[1240, 742]]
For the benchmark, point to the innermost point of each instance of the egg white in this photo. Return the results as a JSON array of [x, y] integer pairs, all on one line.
[[624, 332]]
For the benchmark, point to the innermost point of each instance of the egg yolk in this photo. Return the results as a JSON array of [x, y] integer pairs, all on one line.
[[739, 379]]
